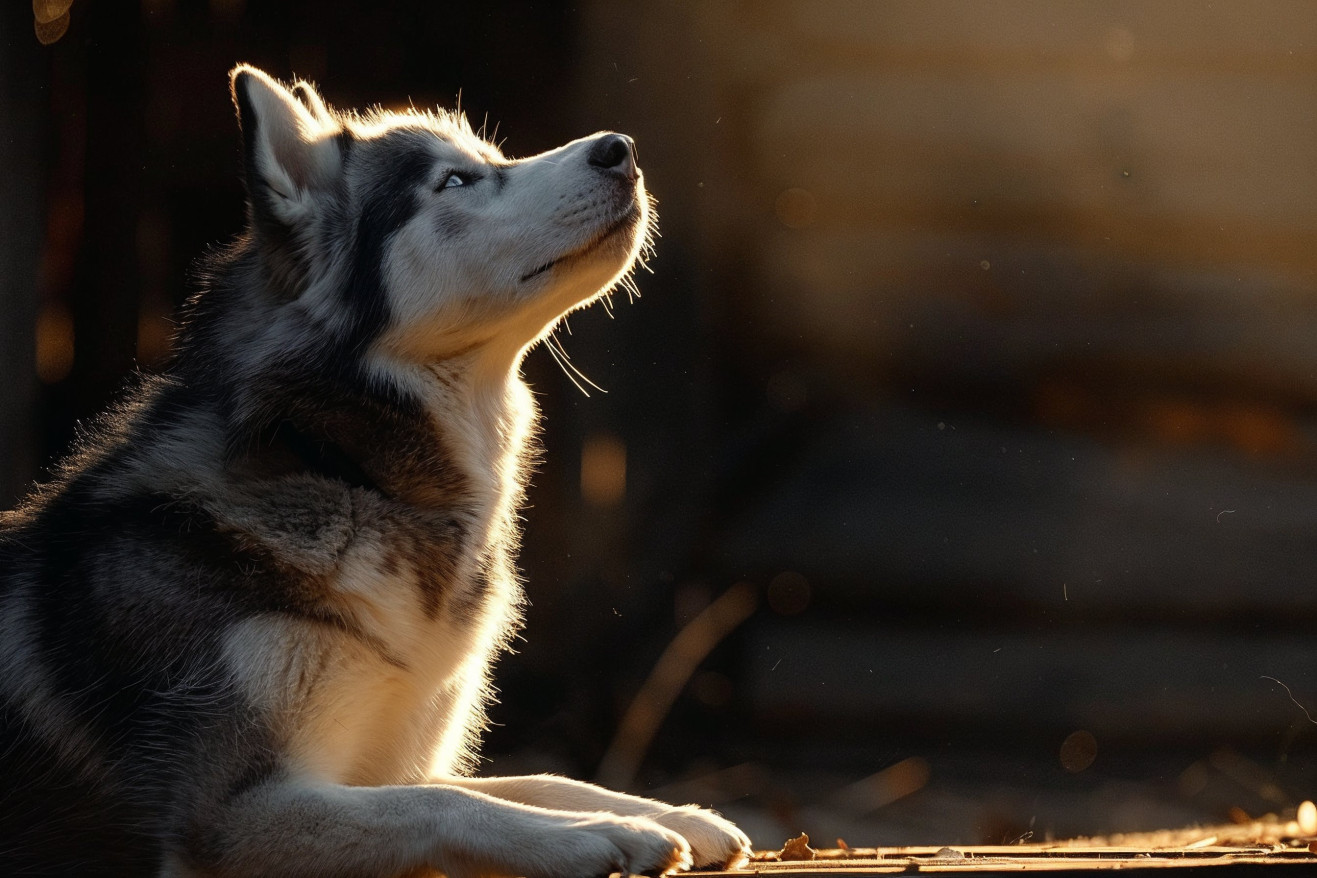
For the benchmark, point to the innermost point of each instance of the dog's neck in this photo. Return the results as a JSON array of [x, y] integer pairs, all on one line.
[[317, 455], [485, 409]]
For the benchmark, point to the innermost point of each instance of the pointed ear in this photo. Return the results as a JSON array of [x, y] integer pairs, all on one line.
[[307, 94], [290, 148]]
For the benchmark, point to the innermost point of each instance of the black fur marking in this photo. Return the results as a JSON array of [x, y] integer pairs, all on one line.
[[54, 823], [321, 456], [246, 123], [390, 201], [86, 624]]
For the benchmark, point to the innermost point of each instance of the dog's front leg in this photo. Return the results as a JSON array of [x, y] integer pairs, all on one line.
[[713, 840], [289, 829]]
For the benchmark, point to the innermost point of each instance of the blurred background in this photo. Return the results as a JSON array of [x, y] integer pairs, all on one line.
[[956, 479]]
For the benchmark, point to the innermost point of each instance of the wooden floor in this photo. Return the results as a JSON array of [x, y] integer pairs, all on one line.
[[1216, 860], [1243, 849]]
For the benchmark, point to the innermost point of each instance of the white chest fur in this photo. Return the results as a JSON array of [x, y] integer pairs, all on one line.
[[398, 696]]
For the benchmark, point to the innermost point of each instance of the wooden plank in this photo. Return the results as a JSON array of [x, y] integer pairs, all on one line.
[[995, 517], [1220, 867], [1151, 686], [1175, 295], [1206, 855], [972, 33]]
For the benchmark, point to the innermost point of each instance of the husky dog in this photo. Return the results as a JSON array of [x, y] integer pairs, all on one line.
[[247, 628]]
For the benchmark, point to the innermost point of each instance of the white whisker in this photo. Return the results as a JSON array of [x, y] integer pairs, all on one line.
[[558, 359], [566, 360]]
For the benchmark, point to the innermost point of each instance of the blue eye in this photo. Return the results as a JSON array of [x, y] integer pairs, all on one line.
[[454, 180]]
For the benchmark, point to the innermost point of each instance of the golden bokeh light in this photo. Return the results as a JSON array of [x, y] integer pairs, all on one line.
[[50, 19], [1078, 751], [54, 343], [796, 208], [603, 470]]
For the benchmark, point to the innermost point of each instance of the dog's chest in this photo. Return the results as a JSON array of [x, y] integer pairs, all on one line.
[[370, 698], [426, 597]]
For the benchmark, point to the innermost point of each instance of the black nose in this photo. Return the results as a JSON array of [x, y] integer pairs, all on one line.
[[614, 152]]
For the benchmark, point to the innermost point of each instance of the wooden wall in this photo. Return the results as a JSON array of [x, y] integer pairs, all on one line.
[[1012, 308]]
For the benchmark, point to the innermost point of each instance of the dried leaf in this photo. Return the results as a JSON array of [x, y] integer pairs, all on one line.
[[797, 849]]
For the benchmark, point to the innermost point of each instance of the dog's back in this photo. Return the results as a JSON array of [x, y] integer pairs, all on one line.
[[110, 635]]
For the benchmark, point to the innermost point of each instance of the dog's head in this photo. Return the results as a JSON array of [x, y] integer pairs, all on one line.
[[418, 239]]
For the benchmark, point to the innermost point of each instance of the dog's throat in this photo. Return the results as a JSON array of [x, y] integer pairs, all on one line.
[[321, 456]]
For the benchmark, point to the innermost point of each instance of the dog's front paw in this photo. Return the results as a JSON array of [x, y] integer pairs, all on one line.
[[713, 840], [601, 845], [565, 844]]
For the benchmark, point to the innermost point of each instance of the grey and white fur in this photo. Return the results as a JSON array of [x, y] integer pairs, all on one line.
[[247, 628]]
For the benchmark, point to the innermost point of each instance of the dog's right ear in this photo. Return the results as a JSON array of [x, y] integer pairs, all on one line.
[[307, 94], [290, 146]]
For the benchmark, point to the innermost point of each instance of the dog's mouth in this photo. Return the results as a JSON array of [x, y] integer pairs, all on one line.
[[627, 220]]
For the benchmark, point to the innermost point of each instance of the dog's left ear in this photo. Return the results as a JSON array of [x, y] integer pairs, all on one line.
[[290, 146]]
